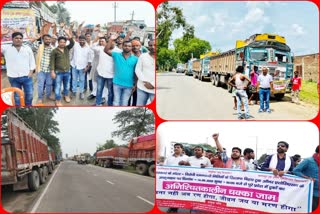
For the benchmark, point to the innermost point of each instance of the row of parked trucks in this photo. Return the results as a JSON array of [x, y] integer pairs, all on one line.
[[261, 50], [26, 159], [140, 153]]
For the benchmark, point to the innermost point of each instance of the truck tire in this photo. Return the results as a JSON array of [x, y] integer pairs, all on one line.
[[142, 168], [194, 75], [217, 80], [50, 169], [33, 180], [212, 79], [108, 164], [42, 176], [151, 170], [45, 172], [279, 96]]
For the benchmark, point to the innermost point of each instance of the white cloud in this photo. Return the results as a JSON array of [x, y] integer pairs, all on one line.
[[297, 29]]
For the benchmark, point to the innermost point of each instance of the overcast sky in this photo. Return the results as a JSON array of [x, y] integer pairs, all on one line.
[[303, 137], [222, 23], [83, 128], [100, 12]]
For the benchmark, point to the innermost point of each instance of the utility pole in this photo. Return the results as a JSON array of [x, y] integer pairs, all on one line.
[[115, 5], [132, 15]]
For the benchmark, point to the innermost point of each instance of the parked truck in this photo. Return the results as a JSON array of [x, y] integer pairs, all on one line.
[[142, 154], [180, 68], [259, 50], [25, 154], [114, 157]]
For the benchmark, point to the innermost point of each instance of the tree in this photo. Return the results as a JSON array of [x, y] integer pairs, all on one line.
[[195, 46], [41, 120], [133, 123], [168, 19], [108, 145], [166, 59], [62, 13]]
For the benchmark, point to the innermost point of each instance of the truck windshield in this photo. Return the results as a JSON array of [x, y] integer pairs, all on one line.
[[282, 57], [259, 55]]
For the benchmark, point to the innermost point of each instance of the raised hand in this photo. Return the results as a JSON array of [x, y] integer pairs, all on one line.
[[215, 136]]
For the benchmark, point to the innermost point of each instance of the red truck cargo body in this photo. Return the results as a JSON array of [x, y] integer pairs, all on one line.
[[142, 147], [117, 155], [22, 149]]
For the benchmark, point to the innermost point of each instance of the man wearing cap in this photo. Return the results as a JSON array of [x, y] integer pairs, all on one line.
[[309, 169], [280, 163], [20, 64]]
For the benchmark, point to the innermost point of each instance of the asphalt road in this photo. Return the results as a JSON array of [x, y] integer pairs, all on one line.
[[89, 188], [181, 97]]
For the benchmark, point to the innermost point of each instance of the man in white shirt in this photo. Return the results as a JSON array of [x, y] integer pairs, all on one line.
[[105, 71], [248, 157], [198, 160], [81, 62], [146, 76], [178, 158], [265, 86], [20, 64]]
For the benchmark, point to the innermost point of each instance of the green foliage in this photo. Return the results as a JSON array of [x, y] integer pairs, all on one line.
[[166, 59], [63, 15], [133, 123], [108, 145], [309, 92], [184, 48], [41, 120]]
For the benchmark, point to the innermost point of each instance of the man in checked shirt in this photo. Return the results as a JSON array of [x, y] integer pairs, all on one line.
[[43, 55]]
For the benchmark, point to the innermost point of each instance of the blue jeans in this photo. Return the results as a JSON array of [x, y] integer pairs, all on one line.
[[101, 81], [121, 95], [26, 83], [78, 74], [143, 97], [241, 95], [264, 95], [62, 78], [44, 80]]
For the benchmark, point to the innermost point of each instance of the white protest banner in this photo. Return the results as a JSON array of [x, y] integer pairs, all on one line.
[[231, 191]]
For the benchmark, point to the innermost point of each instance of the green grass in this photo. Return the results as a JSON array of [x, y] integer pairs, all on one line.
[[309, 92]]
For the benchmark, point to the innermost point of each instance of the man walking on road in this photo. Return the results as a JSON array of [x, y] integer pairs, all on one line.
[[296, 87], [265, 85], [20, 67], [238, 81]]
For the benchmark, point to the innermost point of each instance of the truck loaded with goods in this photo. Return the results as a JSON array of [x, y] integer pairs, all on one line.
[[25, 157]]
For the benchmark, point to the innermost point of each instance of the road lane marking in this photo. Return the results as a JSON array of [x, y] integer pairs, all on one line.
[[35, 207], [145, 200], [110, 182]]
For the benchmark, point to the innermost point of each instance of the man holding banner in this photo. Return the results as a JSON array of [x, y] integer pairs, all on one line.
[[280, 163]]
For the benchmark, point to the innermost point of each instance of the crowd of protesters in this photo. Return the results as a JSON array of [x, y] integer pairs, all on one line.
[[279, 163], [117, 68]]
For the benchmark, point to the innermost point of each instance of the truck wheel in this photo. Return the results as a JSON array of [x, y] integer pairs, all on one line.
[[279, 96], [151, 170], [108, 163], [50, 169], [45, 172], [217, 80], [212, 79], [142, 168], [194, 75], [33, 180], [42, 176]]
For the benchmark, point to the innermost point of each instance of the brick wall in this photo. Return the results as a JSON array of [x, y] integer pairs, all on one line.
[[308, 66]]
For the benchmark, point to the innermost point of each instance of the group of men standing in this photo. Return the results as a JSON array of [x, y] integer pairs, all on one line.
[[279, 163], [257, 86], [119, 68]]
